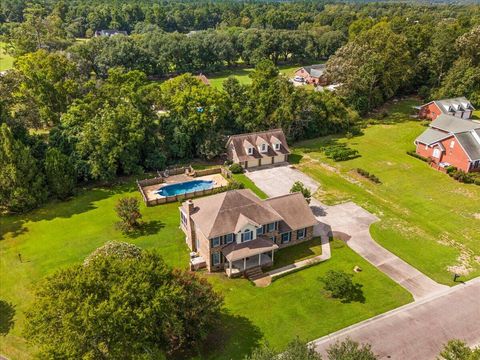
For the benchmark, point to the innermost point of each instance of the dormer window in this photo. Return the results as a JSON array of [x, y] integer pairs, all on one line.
[[250, 151], [264, 148], [247, 235], [277, 146]]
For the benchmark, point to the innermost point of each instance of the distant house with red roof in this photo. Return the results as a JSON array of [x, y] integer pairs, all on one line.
[[459, 107], [313, 74], [451, 140], [203, 79]]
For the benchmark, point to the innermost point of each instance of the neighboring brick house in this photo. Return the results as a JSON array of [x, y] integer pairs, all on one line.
[[314, 74], [450, 140], [258, 149], [235, 231], [459, 107]]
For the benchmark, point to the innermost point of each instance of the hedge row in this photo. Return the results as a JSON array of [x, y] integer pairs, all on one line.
[[462, 176], [415, 155], [369, 176]]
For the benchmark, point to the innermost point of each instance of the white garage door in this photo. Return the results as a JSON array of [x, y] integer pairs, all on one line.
[[279, 159]]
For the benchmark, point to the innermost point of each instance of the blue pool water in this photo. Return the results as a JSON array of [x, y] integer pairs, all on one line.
[[185, 187]]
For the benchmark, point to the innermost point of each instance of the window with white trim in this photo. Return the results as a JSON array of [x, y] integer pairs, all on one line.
[[437, 153], [250, 151], [229, 238], [216, 241], [184, 218], [260, 230], [272, 226], [301, 234], [216, 258], [277, 146], [264, 147], [452, 144], [247, 235]]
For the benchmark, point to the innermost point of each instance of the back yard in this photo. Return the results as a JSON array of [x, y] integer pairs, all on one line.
[[64, 233], [427, 219]]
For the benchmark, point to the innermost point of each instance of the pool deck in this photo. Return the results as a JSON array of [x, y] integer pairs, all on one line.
[[150, 191]]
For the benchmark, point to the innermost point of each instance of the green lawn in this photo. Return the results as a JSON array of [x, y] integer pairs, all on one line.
[[428, 219], [293, 254], [249, 184], [217, 79], [6, 61], [64, 233]]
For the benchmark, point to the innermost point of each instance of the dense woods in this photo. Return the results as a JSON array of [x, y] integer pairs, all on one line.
[[92, 109]]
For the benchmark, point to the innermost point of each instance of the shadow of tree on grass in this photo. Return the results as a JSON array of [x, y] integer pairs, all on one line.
[[234, 338], [148, 228], [7, 312]]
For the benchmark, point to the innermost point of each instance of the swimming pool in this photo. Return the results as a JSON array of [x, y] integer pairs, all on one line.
[[185, 187]]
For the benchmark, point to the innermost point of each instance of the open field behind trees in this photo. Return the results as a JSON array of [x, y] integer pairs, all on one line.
[[61, 234], [6, 61], [427, 218], [242, 74]]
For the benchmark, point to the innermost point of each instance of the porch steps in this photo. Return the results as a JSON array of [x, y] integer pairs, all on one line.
[[254, 273]]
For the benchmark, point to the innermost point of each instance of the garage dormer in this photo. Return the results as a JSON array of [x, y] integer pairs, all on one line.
[[248, 147], [262, 145], [276, 143]]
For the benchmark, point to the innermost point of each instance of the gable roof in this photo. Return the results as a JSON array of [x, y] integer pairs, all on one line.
[[452, 105], [470, 142], [229, 212], [453, 124], [236, 145], [431, 136], [294, 210], [316, 70]]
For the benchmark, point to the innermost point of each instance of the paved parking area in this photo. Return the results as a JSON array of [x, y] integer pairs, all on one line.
[[418, 331], [351, 223]]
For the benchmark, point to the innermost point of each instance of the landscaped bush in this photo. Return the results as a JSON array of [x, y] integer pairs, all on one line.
[[341, 286], [369, 176], [415, 155], [236, 168], [340, 152], [128, 210], [462, 176]]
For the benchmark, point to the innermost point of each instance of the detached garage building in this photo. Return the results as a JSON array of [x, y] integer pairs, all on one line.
[[258, 149]]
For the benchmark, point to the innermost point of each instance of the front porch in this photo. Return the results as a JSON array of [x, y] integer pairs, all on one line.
[[238, 267]]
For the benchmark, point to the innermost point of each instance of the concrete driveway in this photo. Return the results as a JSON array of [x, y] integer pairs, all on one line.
[[418, 330], [350, 223]]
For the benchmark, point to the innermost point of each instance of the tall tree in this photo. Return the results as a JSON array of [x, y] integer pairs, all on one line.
[[60, 174], [121, 305], [21, 180]]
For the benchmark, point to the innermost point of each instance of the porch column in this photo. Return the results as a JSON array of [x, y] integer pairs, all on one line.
[[259, 259], [244, 263], [272, 255]]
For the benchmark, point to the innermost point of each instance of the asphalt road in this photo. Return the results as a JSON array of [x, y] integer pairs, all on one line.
[[418, 330]]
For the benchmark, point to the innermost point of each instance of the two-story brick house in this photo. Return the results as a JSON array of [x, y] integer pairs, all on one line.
[[235, 230]]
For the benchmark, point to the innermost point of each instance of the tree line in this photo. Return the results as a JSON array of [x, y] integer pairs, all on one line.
[[62, 125]]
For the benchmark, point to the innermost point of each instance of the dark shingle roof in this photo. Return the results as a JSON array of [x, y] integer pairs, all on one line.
[[470, 142]]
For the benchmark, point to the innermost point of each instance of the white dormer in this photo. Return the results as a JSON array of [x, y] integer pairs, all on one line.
[[262, 145], [250, 150], [276, 143], [247, 145]]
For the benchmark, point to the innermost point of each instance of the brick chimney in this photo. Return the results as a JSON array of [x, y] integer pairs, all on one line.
[[190, 225]]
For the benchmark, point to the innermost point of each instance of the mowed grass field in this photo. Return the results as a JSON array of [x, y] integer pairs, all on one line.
[[6, 61], [217, 79], [61, 234], [427, 218]]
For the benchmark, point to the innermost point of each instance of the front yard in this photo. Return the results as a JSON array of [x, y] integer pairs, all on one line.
[[427, 218], [64, 233]]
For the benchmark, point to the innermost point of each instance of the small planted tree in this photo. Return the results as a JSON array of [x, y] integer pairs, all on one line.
[[341, 286], [296, 350], [128, 210], [236, 168], [350, 350], [298, 186]]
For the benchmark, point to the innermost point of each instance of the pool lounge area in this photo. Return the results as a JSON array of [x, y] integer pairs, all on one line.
[[182, 184]]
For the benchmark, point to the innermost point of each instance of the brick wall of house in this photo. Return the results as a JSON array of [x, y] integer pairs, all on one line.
[[429, 111], [294, 240], [455, 156]]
